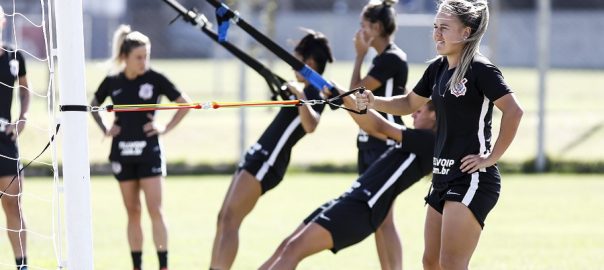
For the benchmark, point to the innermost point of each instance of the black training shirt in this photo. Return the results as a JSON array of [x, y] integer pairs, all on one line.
[[132, 144], [464, 115]]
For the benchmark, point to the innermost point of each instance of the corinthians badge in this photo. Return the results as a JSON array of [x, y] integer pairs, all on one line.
[[459, 89], [146, 91]]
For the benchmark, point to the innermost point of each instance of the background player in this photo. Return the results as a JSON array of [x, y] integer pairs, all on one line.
[[265, 163], [12, 68], [387, 77], [357, 213], [136, 153]]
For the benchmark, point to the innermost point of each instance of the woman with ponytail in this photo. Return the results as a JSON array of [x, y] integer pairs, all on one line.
[[136, 154], [265, 163], [387, 77], [464, 86]]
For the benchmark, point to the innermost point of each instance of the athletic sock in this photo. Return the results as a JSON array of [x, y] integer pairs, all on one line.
[[137, 259], [21, 263], [163, 259]]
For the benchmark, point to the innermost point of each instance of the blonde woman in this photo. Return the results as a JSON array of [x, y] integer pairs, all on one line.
[[136, 153], [464, 86]]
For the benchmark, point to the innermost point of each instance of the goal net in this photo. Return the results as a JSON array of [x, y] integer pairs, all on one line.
[[44, 208]]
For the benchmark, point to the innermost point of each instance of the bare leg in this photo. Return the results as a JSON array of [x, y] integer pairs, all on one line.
[[388, 244], [131, 197], [11, 203], [244, 192], [312, 239], [280, 249], [153, 189], [460, 235], [432, 229]]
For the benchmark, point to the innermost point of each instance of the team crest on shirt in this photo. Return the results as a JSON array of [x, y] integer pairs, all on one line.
[[459, 89], [14, 67], [146, 91]]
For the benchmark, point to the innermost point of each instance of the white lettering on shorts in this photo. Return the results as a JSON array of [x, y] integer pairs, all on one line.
[[131, 148]]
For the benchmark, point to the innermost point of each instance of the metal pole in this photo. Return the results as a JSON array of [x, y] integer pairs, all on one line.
[[543, 32], [243, 42]]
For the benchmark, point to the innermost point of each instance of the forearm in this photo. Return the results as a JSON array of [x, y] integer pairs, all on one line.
[[308, 118], [397, 105], [99, 121], [510, 120], [179, 115], [356, 71], [24, 99]]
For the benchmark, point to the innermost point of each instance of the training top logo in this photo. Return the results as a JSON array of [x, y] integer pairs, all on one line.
[[459, 89], [146, 91]]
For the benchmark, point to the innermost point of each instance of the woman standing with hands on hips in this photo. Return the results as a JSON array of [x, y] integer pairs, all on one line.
[[136, 154], [464, 86]]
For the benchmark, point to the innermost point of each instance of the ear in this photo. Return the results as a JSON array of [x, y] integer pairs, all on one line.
[[466, 33], [378, 28], [311, 63]]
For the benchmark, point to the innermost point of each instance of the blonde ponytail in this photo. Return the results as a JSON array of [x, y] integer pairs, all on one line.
[[473, 14], [124, 40]]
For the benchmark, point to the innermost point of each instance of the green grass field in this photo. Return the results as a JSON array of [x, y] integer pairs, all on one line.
[[540, 222], [574, 119]]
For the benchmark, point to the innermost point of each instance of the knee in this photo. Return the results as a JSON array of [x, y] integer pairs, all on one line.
[[227, 218], [11, 206], [452, 262], [133, 210], [156, 213], [430, 261], [290, 250]]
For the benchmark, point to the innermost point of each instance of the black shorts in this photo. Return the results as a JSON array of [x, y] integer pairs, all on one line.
[[124, 171], [478, 191], [366, 157], [8, 162], [261, 170], [347, 220]]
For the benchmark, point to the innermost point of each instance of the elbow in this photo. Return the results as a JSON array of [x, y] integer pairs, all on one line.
[[518, 113], [309, 128]]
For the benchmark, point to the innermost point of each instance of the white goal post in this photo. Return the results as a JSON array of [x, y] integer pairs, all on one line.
[[74, 131]]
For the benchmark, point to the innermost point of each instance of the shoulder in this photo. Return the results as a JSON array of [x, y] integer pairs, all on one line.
[[155, 75], [393, 54], [481, 63], [435, 64], [426, 133]]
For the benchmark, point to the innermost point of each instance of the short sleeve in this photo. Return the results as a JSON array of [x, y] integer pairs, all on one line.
[[103, 91], [418, 141], [386, 66], [167, 88], [22, 69], [424, 86], [490, 81]]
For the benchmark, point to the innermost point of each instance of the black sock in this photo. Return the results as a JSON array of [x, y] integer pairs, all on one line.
[[137, 259], [163, 259], [21, 262]]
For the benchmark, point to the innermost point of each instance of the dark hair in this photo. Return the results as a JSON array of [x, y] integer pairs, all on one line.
[[316, 46], [383, 13]]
